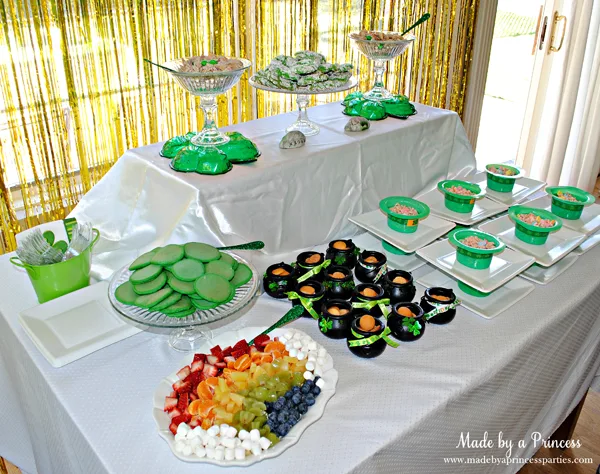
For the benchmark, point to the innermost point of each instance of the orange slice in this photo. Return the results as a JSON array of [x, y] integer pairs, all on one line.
[[243, 363], [206, 424], [204, 391], [274, 346]]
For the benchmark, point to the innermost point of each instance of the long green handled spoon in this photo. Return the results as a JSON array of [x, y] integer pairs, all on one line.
[[256, 245], [160, 66], [288, 317], [423, 19]]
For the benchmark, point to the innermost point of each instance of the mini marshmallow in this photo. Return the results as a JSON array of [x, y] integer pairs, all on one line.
[[293, 352], [240, 454], [228, 442], [308, 375], [289, 346], [264, 443], [219, 454], [237, 442], [211, 443], [191, 434], [247, 444], [243, 434], [187, 450], [213, 430], [310, 366], [298, 335], [301, 355], [312, 346], [318, 371], [312, 357], [194, 442], [223, 428], [320, 360], [254, 435], [181, 436], [231, 432], [210, 453], [322, 352], [320, 383], [183, 428], [256, 449], [289, 335], [283, 339], [200, 451], [229, 454], [297, 344], [199, 431], [179, 445]]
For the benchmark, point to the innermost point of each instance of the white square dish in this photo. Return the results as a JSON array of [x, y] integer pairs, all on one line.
[[587, 224], [524, 187], [544, 275]]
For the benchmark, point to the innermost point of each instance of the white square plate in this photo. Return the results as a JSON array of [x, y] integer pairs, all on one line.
[[428, 230], [588, 244], [543, 276], [75, 325], [587, 224], [504, 267], [523, 188], [556, 247], [487, 307], [483, 208]]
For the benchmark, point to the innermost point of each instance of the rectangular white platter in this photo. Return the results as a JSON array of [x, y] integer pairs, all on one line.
[[544, 275]]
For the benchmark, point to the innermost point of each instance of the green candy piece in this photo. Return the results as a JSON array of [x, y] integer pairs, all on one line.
[[168, 255], [203, 304], [143, 260], [147, 301], [242, 275], [213, 288], [145, 274], [168, 301], [183, 304], [182, 314], [220, 267], [225, 257], [49, 236], [202, 252], [125, 293], [187, 269], [151, 286], [183, 287]]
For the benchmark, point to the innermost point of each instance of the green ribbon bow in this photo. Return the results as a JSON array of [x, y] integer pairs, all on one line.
[[365, 341], [306, 302], [382, 303], [314, 271], [326, 324], [440, 308]]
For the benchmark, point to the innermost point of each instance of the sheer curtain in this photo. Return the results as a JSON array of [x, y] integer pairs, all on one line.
[[563, 144]]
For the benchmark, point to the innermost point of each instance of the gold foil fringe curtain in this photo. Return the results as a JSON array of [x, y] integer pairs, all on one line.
[[75, 92]]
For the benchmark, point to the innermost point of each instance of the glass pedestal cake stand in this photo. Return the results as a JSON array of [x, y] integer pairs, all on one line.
[[186, 334], [203, 156], [380, 52], [303, 123]]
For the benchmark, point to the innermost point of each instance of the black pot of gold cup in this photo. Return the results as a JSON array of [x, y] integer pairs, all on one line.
[[310, 294], [310, 262], [369, 298], [339, 282], [335, 319], [399, 286], [279, 279], [442, 300], [365, 339], [369, 266], [406, 322], [342, 253]]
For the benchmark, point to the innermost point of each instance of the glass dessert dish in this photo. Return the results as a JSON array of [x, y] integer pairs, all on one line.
[[380, 52]]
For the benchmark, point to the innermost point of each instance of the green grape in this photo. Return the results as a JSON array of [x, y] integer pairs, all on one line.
[[273, 438], [285, 376], [255, 425], [276, 363], [246, 417], [272, 397], [256, 411], [281, 387], [236, 417], [276, 379], [244, 393], [251, 386], [260, 394], [263, 379], [265, 430], [297, 379], [248, 402], [260, 406], [271, 383]]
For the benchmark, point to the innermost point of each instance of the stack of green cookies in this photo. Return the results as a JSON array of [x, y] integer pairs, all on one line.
[[179, 279]]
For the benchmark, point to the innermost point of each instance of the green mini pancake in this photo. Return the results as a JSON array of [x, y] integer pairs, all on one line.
[[183, 304], [213, 288], [188, 269], [147, 301], [145, 274], [168, 301], [225, 257], [168, 255], [202, 252], [243, 274], [151, 286], [203, 304], [221, 268], [143, 260], [182, 314], [125, 293], [183, 287]]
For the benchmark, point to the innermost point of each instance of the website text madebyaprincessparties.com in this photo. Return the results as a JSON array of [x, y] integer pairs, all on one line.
[[520, 461]]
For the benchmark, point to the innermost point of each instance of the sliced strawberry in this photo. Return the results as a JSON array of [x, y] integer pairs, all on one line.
[[237, 354], [262, 340], [194, 379], [193, 396], [241, 345], [184, 401], [184, 372], [198, 357], [227, 351], [181, 387], [174, 413], [173, 428], [229, 359], [195, 421], [216, 350], [221, 365], [197, 365], [170, 403], [210, 371], [173, 394], [212, 360], [183, 418]]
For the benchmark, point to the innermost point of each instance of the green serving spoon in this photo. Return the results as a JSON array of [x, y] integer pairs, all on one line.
[[423, 19], [288, 317], [256, 245], [160, 66]]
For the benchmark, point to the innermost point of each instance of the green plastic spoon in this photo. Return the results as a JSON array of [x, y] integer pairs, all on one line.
[[256, 245], [288, 317], [423, 19]]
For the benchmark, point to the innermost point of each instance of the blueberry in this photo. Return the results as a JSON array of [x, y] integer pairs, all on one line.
[[296, 398], [302, 408], [283, 416], [294, 418], [289, 394], [305, 389], [310, 383], [295, 389], [309, 400], [316, 390], [284, 429]]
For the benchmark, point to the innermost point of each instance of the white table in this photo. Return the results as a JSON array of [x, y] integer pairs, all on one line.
[[518, 373], [290, 199]]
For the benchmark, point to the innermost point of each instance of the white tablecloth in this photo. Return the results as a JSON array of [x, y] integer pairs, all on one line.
[[402, 412], [290, 199]]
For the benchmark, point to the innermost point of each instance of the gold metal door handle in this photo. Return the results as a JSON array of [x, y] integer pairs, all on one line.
[[558, 18]]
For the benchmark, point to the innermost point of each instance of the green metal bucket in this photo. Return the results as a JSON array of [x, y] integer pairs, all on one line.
[[569, 209], [529, 233], [400, 222], [58, 279], [502, 183], [476, 258], [459, 202]]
